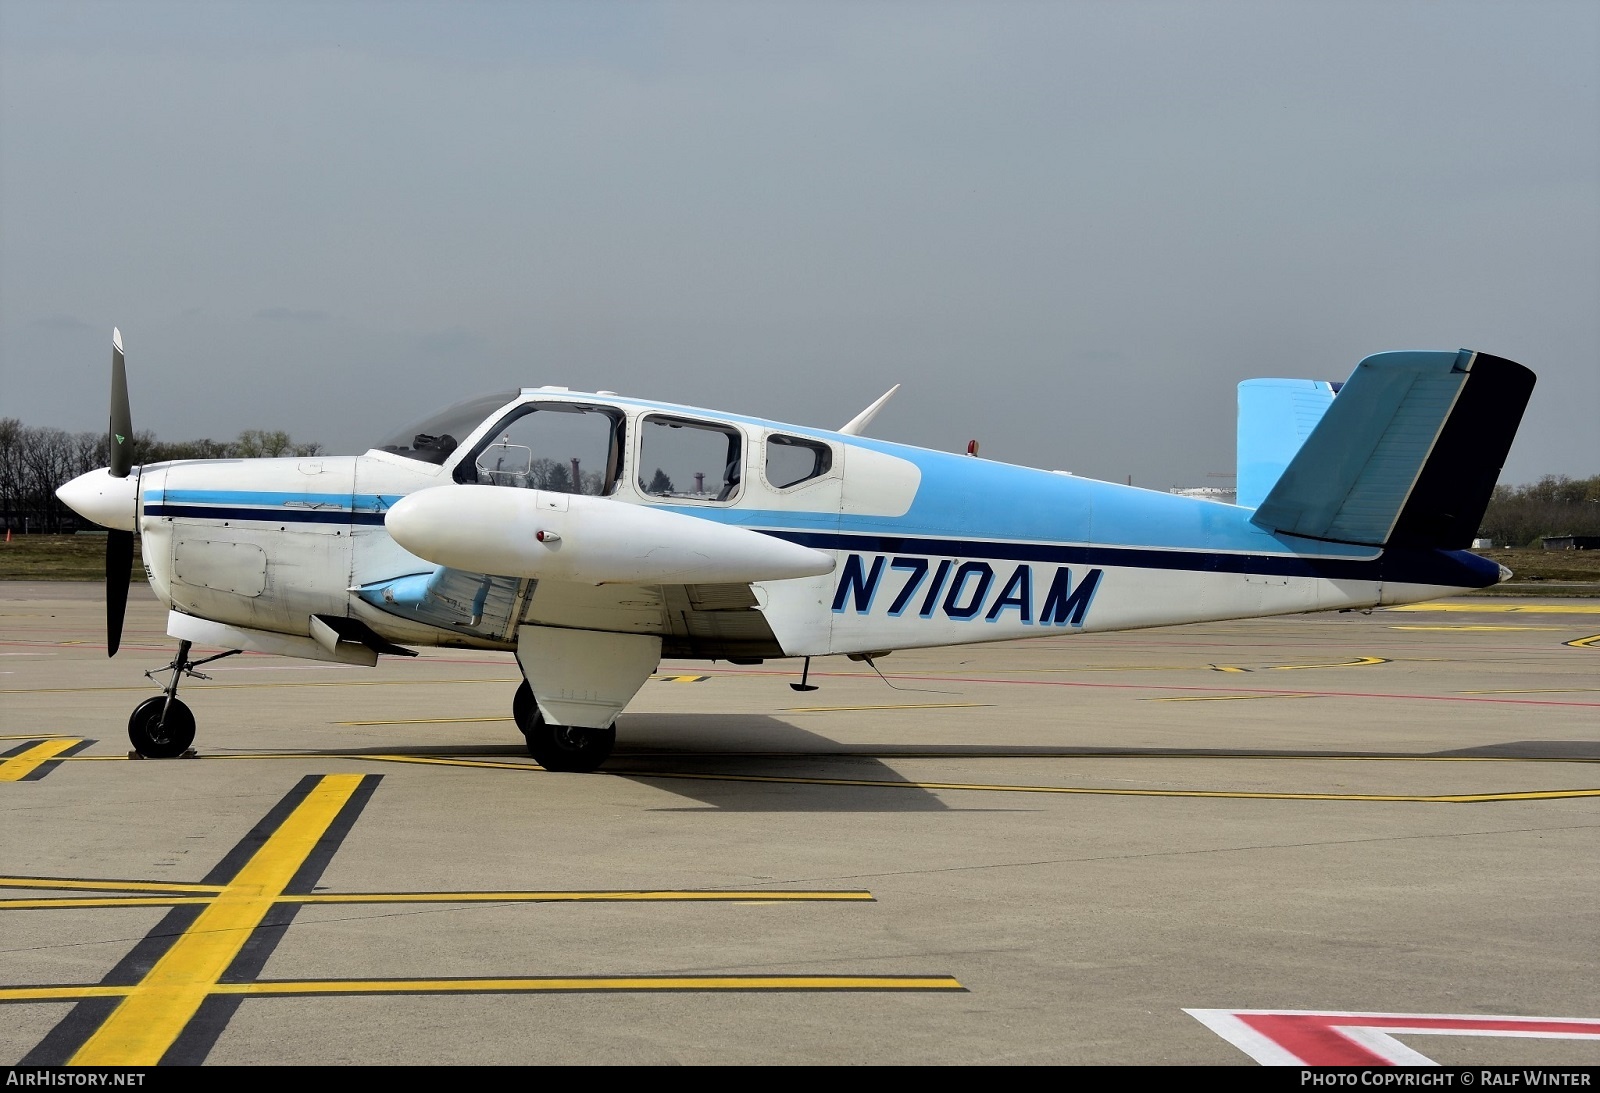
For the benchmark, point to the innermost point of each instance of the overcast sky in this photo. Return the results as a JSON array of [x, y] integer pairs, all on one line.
[[1069, 228]]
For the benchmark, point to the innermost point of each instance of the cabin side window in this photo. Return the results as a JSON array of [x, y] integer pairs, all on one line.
[[792, 460], [682, 458], [562, 447]]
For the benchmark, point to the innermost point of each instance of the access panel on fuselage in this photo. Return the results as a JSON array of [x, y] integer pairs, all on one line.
[[261, 543]]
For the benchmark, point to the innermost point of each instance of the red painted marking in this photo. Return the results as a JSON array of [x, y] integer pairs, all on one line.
[[1158, 687], [1321, 1039], [1312, 1039], [1255, 690]]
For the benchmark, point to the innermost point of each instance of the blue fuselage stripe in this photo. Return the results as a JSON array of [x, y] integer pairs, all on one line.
[[266, 516]]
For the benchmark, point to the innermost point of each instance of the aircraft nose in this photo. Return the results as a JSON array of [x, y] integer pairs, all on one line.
[[1505, 574], [109, 502]]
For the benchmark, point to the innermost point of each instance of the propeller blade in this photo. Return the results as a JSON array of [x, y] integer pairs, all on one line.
[[119, 544], [121, 416], [119, 568]]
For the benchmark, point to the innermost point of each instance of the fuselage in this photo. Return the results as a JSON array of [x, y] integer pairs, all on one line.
[[928, 548]]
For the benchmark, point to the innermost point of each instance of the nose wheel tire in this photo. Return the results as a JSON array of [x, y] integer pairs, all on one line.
[[155, 736], [564, 748]]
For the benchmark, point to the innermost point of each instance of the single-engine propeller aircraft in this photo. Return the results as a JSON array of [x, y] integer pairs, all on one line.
[[593, 534]]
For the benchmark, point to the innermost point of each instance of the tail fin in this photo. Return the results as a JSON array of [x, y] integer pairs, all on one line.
[[1407, 454]]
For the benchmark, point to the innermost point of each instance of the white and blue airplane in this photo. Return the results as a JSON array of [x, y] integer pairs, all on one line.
[[593, 535]]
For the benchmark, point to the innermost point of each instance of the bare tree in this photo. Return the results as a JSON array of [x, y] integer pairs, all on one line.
[[35, 461]]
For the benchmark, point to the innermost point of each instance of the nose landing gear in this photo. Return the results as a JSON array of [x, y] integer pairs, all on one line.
[[162, 727]]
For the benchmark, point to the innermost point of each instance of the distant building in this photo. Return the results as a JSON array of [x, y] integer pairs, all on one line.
[[1571, 542], [1225, 494]]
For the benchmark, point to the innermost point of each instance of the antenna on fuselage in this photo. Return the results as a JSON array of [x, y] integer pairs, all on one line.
[[864, 418], [871, 662]]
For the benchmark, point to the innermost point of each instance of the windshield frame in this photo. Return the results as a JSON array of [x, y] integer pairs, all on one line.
[[465, 471], [457, 425]]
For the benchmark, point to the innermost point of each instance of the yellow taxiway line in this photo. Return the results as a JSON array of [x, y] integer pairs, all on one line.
[[81, 884], [1357, 662], [1230, 698], [891, 706], [17, 767], [578, 983], [882, 753], [1519, 608], [752, 895], [980, 787], [571, 984], [151, 1016], [262, 686], [219, 686], [427, 721], [154, 1012], [1224, 794], [1469, 626], [1532, 690], [695, 895]]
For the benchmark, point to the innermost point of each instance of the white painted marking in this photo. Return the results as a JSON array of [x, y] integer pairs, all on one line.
[[1370, 1038]]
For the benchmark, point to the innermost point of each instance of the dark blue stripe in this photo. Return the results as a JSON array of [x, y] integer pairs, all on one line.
[[1453, 568], [1456, 568], [270, 516]]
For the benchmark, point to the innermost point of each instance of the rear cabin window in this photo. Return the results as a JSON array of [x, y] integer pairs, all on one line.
[[791, 460], [562, 447], [682, 458]]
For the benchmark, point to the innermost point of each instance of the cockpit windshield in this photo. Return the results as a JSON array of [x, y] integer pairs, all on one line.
[[433, 438]]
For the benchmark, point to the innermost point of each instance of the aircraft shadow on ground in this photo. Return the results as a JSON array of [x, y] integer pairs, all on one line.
[[735, 752], [758, 763], [1533, 749]]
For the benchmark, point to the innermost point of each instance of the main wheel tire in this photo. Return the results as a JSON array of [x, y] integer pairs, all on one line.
[[155, 737], [525, 710], [571, 749]]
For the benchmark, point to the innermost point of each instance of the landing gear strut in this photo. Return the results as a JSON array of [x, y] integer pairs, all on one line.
[[162, 726], [560, 747]]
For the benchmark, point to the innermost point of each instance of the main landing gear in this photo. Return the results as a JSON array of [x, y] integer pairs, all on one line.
[[560, 747], [162, 726]]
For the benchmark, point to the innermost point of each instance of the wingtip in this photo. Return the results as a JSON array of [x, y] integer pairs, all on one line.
[[116, 338]]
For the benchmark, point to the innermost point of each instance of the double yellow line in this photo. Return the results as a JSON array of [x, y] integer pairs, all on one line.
[[151, 1015], [16, 768]]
